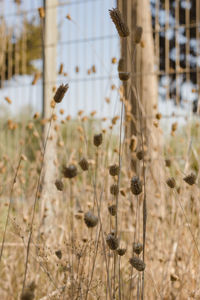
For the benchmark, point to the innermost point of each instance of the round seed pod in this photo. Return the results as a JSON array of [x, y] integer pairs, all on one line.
[[121, 251], [124, 76], [137, 263], [97, 140], [137, 248], [114, 170], [59, 185], [140, 155], [90, 219], [136, 185], [168, 163], [138, 34], [58, 253], [112, 241], [114, 189], [112, 210], [190, 179], [171, 182], [83, 163], [70, 171]]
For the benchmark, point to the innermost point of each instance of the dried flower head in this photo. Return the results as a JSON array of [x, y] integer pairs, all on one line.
[[120, 25], [97, 140], [28, 292], [140, 155], [60, 93], [112, 241], [84, 164], [58, 253], [136, 185], [124, 76], [171, 182], [137, 34], [114, 170], [70, 171], [114, 189], [168, 162], [90, 219], [121, 251], [112, 209], [59, 185], [190, 179], [137, 263], [137, 248]]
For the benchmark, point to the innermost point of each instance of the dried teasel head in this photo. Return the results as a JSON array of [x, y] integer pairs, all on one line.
[[120, 25], [114, 189], [137, 263], [70, 171], [97, 140], [84, 164], [112, 241], [136, 185], [112, 209], [58, 253], [114, 170], [90, 219], [121, 251], [171, 182], [137, 248], [190, 179], [124, 76], [28, 292], [137, 34], [60, 93], [59, 185]]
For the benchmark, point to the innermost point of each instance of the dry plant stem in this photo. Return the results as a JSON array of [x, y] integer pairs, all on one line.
[[35, 202], [9, 206], [72, 234]]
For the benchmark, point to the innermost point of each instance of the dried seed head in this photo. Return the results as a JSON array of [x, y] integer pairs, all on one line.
[[168, 163], [124, 76], [171, 182], [120, 25], [84, 164], [137, 248], [97, 140], [114, 170], [58, 253], [28, 292], [114, 189], [112, 241], [70, 171], [158, 116], [90, 219], [174, 126], [59, 185], [112, 209], [121, 65], [60, 93], [136, 185], [121, 251], [190, 179], [138, 34], [133, 143], [140, 155], [137, 263]]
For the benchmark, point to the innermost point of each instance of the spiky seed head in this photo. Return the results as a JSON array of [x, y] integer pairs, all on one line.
[[171, 182], [84, 164], [114, 189], [114, 170], [59, 185], [124, 76], [90, 219], [70, 171], [168, 162], [97, 140], [137, 263], [121, 251], [112, 209], [190, 179], [112, 241], [137, 248], [136, 185], [137, 34], [60, 93], [58, 253], [140, 155], [120, 25], [121, 66]]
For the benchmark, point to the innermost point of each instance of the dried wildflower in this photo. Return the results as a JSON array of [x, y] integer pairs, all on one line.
[[114, 189], [137, 248], [168, 162], [60, 93], [28, 292], [136, 185], [59, 185], [70, 171], [84, 164], [97, 140], [171, 182], [137, 34], [112, 209], [58, 253], [112, 241], [124, 76], [90, 219], [121, 251], [140, 155], [121, 65], [137, 263], [120, 25], [190, 179], [114, 170]]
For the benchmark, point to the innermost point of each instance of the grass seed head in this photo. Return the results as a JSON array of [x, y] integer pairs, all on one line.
[[70, 171], [90, 219], [120, 25], [60, 93], [121, 251], [112, 241], [171, 182], [114, 189], [97, 140], [137, 248], [84, 164], [114, 170], [190, 179], [137, 263], [136, 185]]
